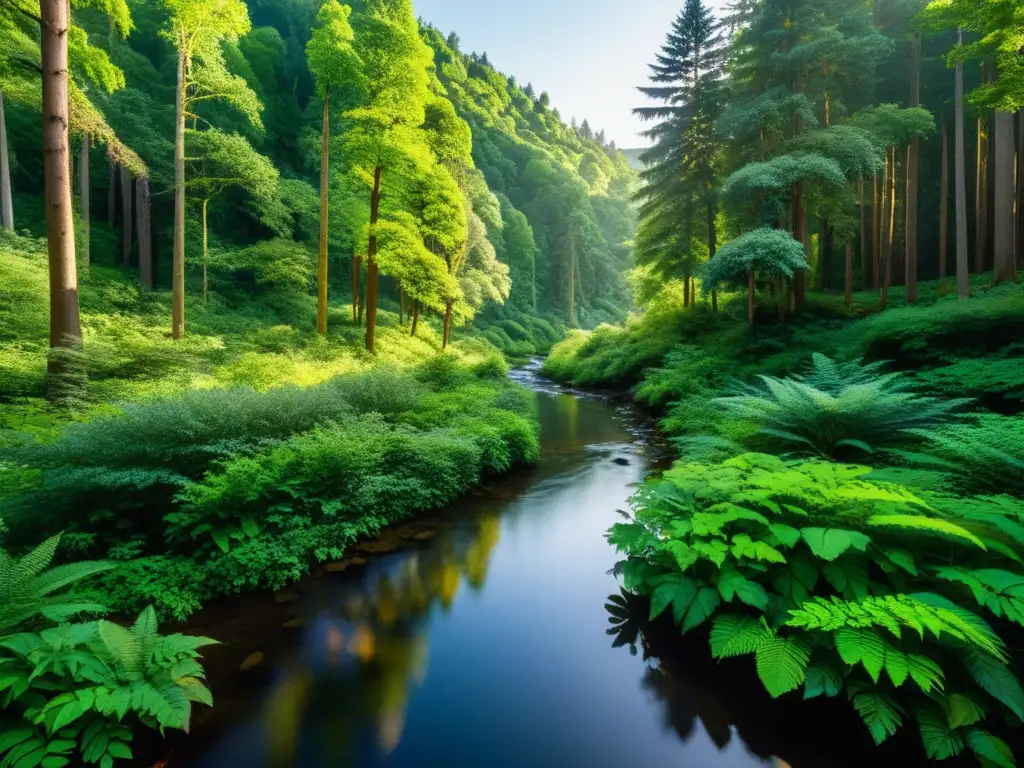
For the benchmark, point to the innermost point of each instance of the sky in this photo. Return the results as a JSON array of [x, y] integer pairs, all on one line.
[[589, 55]]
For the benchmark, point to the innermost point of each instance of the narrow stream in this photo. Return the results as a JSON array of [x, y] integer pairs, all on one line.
[[476, 638]]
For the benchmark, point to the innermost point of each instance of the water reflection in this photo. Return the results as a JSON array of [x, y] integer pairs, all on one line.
[[474, 640]]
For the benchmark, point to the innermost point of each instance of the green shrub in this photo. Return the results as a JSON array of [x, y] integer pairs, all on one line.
[[840, 585], [984, 455], [73, 689], [687, 371], [989, 379], [491, 367], [835, 408], [442, 372]]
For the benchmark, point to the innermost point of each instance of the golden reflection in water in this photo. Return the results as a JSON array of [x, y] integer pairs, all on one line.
[[377, 641]]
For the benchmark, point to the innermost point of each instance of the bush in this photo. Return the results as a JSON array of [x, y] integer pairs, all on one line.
[[828, 580], [996, 381], [836, 408]]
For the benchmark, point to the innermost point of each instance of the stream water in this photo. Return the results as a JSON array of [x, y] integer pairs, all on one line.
[[475, 638]]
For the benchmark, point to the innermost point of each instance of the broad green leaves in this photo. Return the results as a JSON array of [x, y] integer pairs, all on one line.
[[735, 635], [830, 543], [782, 664], [677, 591]]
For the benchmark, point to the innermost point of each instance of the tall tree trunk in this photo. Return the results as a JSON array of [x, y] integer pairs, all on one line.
[[65, 326], [206, 282], [357, 265], [981, 199], [713, 249], [371, 264], [944, 204], [876, 231], [325, 168], [913, 160], [1004, 267], [799, 220], [415, 316], [401, 305], [849, 274], [963, 280], [6, 193], [883, 234], [83, 196], [686, 292], [144, 228], [890, 236], [824, 255], [111, 193], [178, 265], [126, 217], [750, 297], [1019, 207], [447, 334], [863, 236]]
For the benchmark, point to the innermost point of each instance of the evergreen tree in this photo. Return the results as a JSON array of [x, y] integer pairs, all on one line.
[[679, 196]]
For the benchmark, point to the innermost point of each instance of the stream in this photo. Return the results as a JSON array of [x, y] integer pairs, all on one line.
[[474, 637]]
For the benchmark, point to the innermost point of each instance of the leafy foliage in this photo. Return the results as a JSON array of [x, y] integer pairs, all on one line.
[[807, 566]]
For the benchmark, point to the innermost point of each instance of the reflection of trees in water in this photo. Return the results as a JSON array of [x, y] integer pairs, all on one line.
[[368, 655]]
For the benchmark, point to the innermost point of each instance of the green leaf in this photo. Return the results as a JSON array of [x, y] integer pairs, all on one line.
[[903, 559], [849, 576], [32, 759], [744, 547], [830, 543], [250, 528], [994, 677], [735, 635], [222, 540], [703, 606], [990, 750], [822, 679], [716, 551], [961, 710], [683, 554], [940, 741], [631, 538], [11, 738], [675, 590], [637, 574], [861, 645], [927, 524], [732, 583], [880, 713], [782, 664], [786, 534], [118, 749], [54, 761], [925, 672]]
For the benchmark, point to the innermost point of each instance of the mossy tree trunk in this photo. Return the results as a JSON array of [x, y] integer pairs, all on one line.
[[913, 161], [83, 197], [944, 202], [325, 167], [178, 264], [1004, 267], [6, 193], [963, 280], [371, 264]]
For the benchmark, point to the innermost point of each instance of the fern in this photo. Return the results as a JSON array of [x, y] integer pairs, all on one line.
[[782, 663], [880, 713], [27, 587], [734, 635], [835, 407], [894, 612], [926, 524]]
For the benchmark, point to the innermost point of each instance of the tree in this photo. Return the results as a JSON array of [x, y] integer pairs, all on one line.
[[679, 193], [764, 253], [6, 194], [198, 29], [385, 135], [218, 161], [1004, 266], [334, 64], [963, 280]]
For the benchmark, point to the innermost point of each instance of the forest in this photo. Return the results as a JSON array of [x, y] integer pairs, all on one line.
[[276, 280]]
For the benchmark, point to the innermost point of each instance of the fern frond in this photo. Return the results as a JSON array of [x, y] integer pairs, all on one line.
[[927, 525], [782, 663], [894, 612]]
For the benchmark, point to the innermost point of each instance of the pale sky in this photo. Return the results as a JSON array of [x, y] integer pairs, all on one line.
[[589, 55]]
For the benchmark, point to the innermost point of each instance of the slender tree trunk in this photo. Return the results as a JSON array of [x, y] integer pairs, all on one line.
[[401, 305], [963, 280], [876, 230], [83, 196], [206, 282], [890, 231], [447, 334], [883, 235], [863, 235], [849, 274], [913, 161], [325, 168], [713, 249], [357, 265], [65, 326], [144, 228], [800, 233], [686, 292], [750, 297], [6, 193], [981, 200], [944, 204], [126, 217], [572, 274], [1019, 207], [371, 264], [1004, 267], [111, 193], [178, 265], [415, 316]]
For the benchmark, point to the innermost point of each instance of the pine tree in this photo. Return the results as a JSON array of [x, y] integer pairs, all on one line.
[[678, 199]]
